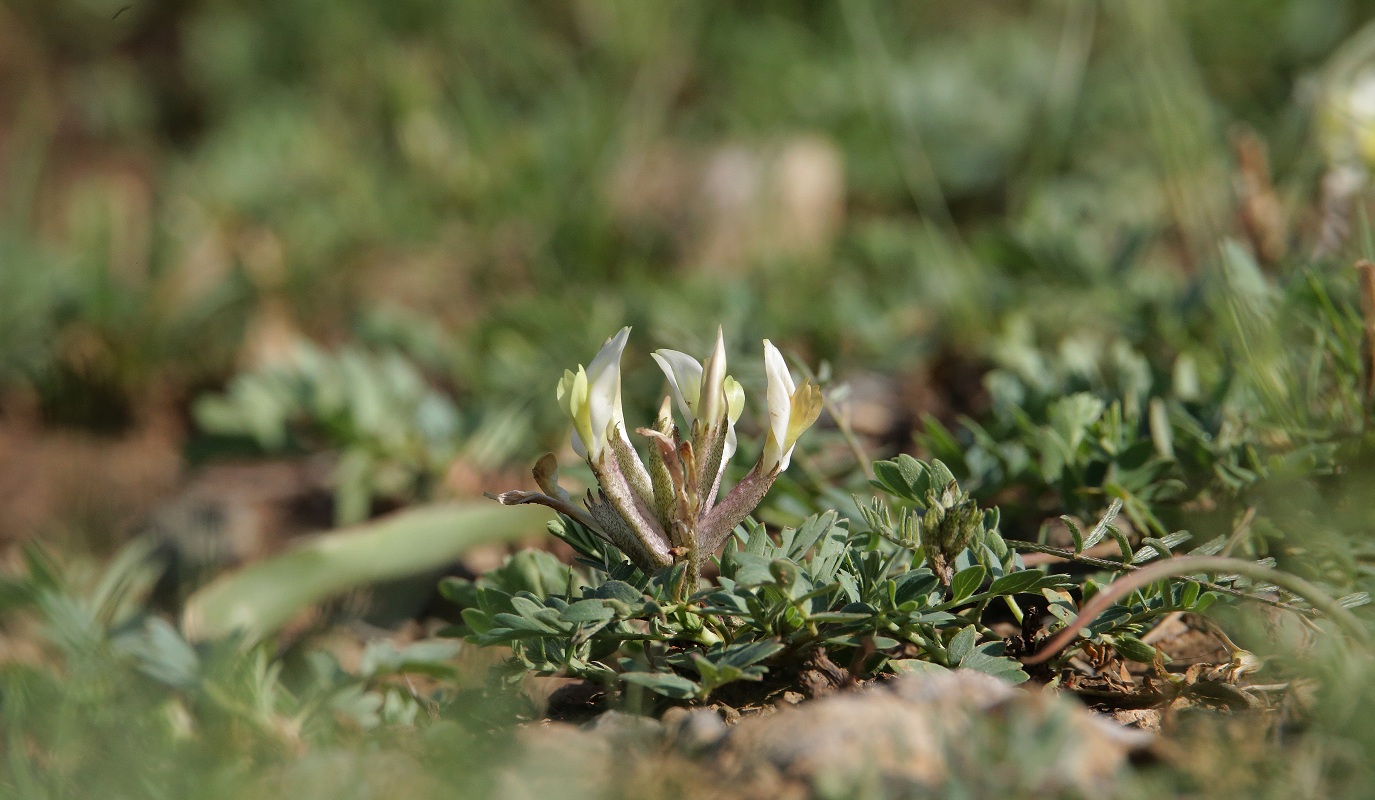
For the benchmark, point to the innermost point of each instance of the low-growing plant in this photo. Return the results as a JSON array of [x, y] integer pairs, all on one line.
[[915, 582], [916, 588]]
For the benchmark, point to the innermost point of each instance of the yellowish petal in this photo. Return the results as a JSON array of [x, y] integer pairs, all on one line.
[[805, 408], [735, 399], [573, 398]]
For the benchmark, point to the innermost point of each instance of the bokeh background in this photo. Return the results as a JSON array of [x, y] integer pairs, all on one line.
[[270, 267], [193, 188]]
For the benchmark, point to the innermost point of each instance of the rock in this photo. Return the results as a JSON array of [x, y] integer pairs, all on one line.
[[694, 731], [962, 729], [557, 760], [627, 729], [1142, 719]]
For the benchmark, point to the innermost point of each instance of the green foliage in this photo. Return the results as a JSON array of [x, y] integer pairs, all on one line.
[[921, 579], [111, 697], [914, 591], [1033, 230], [394, 434], [1091, 424]]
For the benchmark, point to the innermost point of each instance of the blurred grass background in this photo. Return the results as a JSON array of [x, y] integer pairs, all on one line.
[[908, 192], [493, 187], [424, 211]]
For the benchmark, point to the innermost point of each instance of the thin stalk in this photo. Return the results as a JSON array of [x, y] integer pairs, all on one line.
[[1189, 565], [1118, 566]]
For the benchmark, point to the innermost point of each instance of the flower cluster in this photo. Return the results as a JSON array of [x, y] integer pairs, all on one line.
[[664, 509]]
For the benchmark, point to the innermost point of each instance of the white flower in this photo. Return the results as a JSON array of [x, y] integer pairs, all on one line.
[[791, 410], [592, 398], [704, 393], [671, 515], [684, 375]]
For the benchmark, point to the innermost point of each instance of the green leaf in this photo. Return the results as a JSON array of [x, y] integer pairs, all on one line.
[[961, 645], [666, 684], [617, 590], [743, 655], [1205, 601], [758, 543], [1076, 533], [458, 590], [476, 621], [583, 611], [840, 616], [516, 622], [526, 607], [966, 582], [809, 533], [163, 654], [1017, 582], [430, 657], [262, 597], [913, 585], [1152, 547], [904, 477], [1122, 543], [1133, 649], [1002, 667], [1188, 596], [784, 572], [1101, 529]]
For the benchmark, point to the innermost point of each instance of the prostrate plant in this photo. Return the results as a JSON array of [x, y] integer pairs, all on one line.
[[914, 589], [666, 512], [913, 592]]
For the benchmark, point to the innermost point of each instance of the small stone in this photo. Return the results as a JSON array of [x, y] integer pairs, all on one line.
[[1141, 719], [627, 729], [730, 714], [696, 731], [917, 730]]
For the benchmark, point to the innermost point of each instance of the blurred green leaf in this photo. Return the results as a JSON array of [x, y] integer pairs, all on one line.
[[262, 597]]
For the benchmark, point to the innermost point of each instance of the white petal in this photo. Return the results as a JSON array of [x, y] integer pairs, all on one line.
[[786, 459], [779, 397], [684, 376], [604, 389]]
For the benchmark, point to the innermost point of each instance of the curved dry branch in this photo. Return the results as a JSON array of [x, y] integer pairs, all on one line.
[[1191, 565]]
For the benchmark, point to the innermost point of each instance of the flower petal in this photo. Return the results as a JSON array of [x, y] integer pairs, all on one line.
[[779, 396], [735, 405], [684, 376], [572, 395], [805, 408], [711, 404], [604, 390]]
